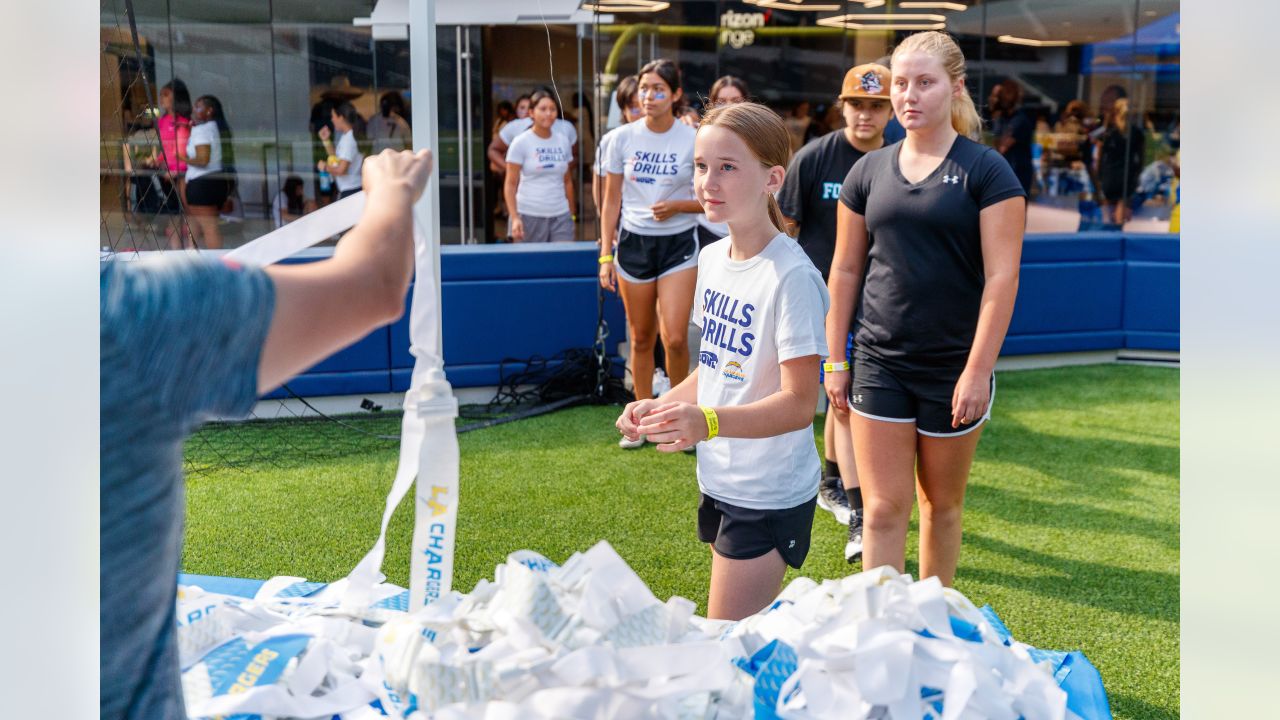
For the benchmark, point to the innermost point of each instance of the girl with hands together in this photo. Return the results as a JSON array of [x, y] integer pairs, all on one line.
[[749, 406]]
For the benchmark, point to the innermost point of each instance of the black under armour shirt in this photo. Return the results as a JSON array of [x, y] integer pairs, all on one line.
[[923, 284]]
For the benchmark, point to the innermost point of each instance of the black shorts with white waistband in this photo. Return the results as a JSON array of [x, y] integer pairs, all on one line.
[[740, 533], [645, 258], [920, 395]]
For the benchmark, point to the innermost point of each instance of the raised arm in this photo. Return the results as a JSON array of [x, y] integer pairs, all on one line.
[[325, 306]]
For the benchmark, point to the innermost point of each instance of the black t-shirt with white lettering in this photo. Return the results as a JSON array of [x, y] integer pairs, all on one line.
[[924, 278], [811, 190]]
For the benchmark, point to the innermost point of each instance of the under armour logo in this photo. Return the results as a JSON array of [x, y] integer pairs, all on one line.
[[953, 179], [857, 399], [793, 544]]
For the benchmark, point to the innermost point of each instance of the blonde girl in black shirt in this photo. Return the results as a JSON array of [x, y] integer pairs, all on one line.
[[929, 237]]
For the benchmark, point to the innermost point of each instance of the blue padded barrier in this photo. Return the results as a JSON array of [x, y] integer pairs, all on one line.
[[518, 261], [369, 353], [504, 301], [1078, 292], [1152, 292], [1152, 248], [356, 382], [1075, 247], [1063, 342], [1148, 289], [1068, 297], [1152, 341]]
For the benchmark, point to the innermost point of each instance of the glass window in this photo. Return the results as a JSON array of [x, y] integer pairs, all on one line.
[[1083, 100]]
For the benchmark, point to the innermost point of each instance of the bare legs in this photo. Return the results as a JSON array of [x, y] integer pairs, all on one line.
[[838, 436], [675, 302], [204, 224], [671, 295], [640, 301], [895, 465], [740, 588]]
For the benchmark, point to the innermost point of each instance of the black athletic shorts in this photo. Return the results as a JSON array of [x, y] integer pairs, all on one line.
[[208, 191], [645, 258], [921, 396], [741, 533]]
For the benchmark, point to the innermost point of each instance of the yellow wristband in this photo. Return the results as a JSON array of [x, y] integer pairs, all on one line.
[[605, 259], [835, 367], [713, 422]]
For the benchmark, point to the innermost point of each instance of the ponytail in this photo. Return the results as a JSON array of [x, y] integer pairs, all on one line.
[[778, 219], [965, 118]]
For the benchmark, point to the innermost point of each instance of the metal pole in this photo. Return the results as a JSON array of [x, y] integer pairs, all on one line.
[[470, 236], [582, 142], [426, 104], [462, 192]]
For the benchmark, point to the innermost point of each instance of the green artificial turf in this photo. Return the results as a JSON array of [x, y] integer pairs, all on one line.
[[1071, 522]]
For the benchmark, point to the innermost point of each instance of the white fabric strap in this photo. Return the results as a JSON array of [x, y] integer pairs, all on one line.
[[428, 438], [312, 228]]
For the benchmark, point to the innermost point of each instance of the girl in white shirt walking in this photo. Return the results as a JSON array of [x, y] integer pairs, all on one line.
[[650, 167], [343, 161], [761, 307], [209, 177], [539, 185]]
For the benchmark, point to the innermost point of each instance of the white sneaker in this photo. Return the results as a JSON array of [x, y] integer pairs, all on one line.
[[626, 444]]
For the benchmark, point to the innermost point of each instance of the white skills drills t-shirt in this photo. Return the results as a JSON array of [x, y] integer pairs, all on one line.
[[602, 152], [654, 167], [543, 163], [754, 315], [511, 130]]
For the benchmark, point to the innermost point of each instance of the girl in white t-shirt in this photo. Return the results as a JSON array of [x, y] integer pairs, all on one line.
[[539, 185], [343, 161], [652, 260], [761, 309], [629, 104], [209, 179]]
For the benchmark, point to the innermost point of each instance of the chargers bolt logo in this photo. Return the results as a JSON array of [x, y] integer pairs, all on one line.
[[733, 371]]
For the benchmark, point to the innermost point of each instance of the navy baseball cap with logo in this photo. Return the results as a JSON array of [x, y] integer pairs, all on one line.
[[866, 81]]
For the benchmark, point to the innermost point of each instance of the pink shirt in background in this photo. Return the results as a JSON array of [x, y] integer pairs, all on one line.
[[174, 133]]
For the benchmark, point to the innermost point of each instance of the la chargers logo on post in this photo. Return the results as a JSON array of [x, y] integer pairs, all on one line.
[[733, 371]]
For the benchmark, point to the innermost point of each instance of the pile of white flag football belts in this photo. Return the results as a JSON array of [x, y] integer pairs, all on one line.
[[589, 640]]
